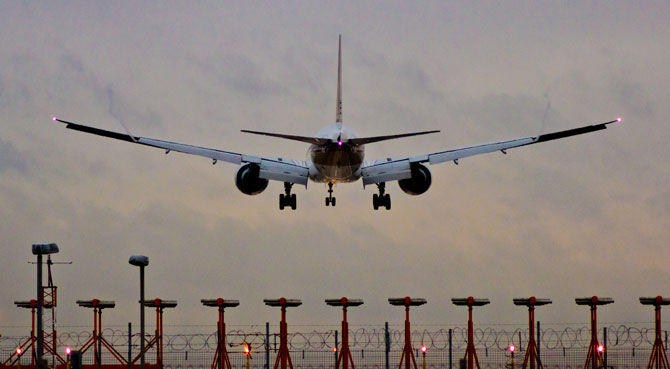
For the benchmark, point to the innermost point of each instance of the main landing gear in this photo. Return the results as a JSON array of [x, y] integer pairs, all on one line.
[[330, 199], [381, 199], [286, 198]]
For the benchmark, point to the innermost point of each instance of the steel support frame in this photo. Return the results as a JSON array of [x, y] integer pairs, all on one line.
[[157, 340], [407, 352], [283, 356], [28, 343], [97, 341], [221, 360], [345, 354], [470, 352], [531, 356], [658, 358], [594, 358]]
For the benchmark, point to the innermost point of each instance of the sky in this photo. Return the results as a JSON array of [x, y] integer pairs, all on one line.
[[583, 216]]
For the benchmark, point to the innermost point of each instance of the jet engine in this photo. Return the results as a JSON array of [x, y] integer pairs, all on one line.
[[419, 182], [248, 181]]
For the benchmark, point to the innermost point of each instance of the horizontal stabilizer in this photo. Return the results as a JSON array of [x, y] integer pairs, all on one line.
[[310, 140], [367, 140]]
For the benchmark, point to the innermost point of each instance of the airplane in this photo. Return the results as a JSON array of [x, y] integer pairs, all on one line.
[[336, 155]]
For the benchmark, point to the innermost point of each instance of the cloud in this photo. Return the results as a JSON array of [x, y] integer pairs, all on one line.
[[11, 158]]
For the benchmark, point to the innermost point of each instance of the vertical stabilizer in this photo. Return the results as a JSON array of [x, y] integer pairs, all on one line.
[[338, 107]]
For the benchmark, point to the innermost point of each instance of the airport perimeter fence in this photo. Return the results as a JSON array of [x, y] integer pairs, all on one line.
[[372, 348]]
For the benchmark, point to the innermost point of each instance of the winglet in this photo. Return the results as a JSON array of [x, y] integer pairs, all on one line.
[[338, 106]]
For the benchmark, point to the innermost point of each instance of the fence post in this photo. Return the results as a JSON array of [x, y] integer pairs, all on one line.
[[335, 350], [130, 346], [539, 344], [267, 345], [450, 358], [387, 342], [605, 347]]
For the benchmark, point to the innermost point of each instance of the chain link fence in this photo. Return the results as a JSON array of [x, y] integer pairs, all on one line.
[[373, 348]]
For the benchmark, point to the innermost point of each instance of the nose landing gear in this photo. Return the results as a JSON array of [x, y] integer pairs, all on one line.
[[286, 198], [330, 199], [381, 199]]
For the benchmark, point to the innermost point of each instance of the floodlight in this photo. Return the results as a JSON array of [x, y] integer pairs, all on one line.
[[139, 260], [45, 248]]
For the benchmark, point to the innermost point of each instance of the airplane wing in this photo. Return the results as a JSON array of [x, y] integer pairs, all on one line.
[[393, 169], [277, 169]]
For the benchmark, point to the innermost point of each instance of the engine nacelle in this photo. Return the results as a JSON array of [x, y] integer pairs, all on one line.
[[248, 180], [419, 182]]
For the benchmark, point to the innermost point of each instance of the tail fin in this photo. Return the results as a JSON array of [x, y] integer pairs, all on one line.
[[338, 106]]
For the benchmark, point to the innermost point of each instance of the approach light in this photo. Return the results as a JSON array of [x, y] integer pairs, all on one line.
[[511, 348], [334, 349], [339, 143], [601, 348], [424, 348], [247, 349], [68, 351], [19, 351]]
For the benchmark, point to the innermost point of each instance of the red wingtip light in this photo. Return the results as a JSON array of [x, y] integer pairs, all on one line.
[[424, 348], [619, 119], [512, 348]]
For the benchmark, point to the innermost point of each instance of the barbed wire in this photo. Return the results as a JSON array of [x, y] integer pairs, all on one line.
[[371, 338]]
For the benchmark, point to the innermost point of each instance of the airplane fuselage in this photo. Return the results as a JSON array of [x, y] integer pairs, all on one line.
[[337, 160]]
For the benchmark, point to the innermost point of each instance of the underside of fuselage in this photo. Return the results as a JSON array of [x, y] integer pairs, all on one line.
[[336, 162]]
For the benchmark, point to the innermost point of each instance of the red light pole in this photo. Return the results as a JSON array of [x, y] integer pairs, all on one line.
[[283, 356], [658, 358], [407, 352], [345, 355], [221, 360], [595, 353], [531, 352], [470, 352]]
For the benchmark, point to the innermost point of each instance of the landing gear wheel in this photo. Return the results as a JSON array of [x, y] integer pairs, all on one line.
[[287, 199], [381, 199], [330, 200]]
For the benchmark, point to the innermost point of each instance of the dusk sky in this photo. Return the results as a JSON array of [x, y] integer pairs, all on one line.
[[582, 216]]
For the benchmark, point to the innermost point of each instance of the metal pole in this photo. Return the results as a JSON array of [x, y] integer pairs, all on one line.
[[605, 346], [335, 351], [450, 358], [142, 317], [267, 345], [130, 346], [40, 304], [538, 345], [387, 342]]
